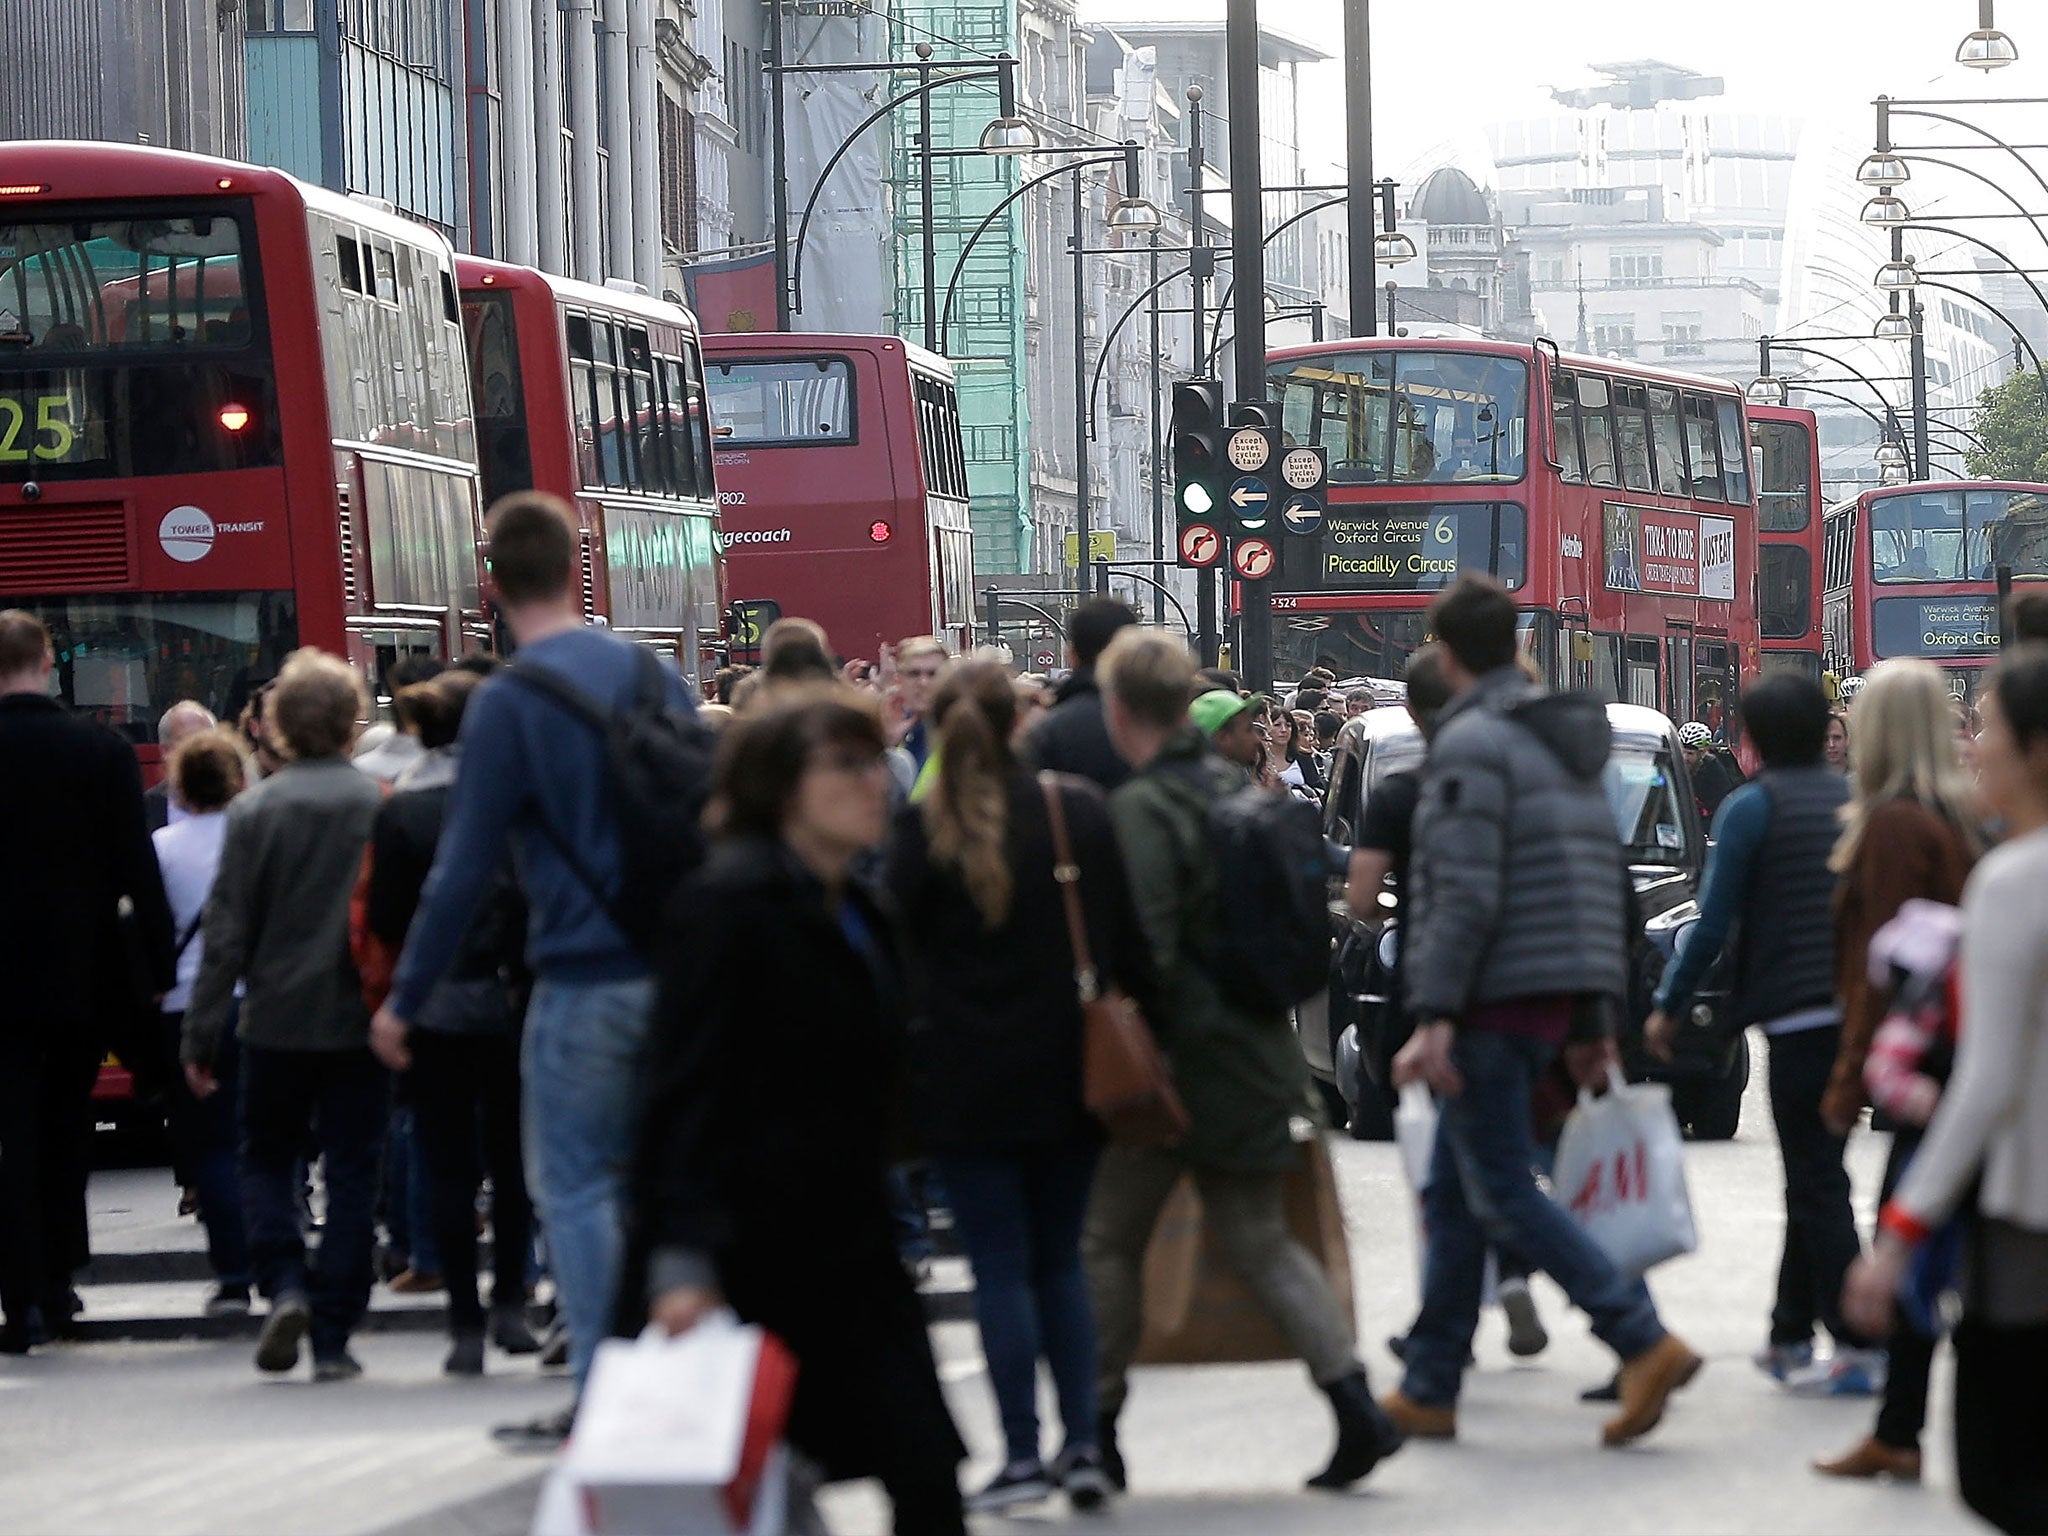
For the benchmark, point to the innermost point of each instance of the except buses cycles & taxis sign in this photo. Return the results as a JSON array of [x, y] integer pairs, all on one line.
[[1681, 554]]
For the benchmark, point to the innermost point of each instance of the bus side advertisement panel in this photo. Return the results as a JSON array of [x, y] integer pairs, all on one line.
[[1675, 554]]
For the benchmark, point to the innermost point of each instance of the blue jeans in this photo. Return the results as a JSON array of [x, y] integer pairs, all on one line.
[[203, 1137], [1483, 1189], [1019, 1216], [407, 1207], [344, 1097], [580, 1066]]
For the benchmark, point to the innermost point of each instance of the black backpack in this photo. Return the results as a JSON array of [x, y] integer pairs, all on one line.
[[657, 778], [1273, 871]]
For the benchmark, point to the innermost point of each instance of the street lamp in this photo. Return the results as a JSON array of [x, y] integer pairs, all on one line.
[[1134, 216], [1765, 390], [1890, 455], [1390, 247], [1886, 210], [1893, 326], [1009, 136], [1987, 48], [1884, 168], [1897, 276]]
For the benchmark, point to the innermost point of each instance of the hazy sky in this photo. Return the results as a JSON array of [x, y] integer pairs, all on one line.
[[1443, 67]]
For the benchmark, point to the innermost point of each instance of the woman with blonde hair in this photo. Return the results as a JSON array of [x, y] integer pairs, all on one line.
[[995, 1053], [1908, 831]]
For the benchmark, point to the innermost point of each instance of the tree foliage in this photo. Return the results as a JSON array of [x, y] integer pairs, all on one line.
[[2012, 419]]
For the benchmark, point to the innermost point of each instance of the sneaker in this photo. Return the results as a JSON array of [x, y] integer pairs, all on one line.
[[1080, 1472], [465, 1356], [277, 1347], [228, 1301], [545, 1433], [554, 1347], [1021, 1482], [1609, 1391], [1526, 1334], [341, 1367], [1778, 1361], [1845, 1373]]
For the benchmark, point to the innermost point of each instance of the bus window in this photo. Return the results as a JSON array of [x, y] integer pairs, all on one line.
[[1632, 436], [1668, 438], [1734, 462], [1639, 673], [1446, 416], [1703, 450], [1599, 429], [1607, 667], [1784, 591], [1784, 492], [1564, 426], [583, 398], [806, 400], [504, 455]]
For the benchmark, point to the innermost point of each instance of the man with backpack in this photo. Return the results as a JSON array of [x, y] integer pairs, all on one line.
[[1516, 941], [1179, 821], [586, 756]]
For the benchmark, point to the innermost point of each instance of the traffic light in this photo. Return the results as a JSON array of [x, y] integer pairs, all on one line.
[[1200, 474]]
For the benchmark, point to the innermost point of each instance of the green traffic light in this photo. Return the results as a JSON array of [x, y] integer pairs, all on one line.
[[1195, 497]]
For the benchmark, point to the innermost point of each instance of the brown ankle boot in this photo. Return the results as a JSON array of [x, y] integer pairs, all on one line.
[[1419, 1421], [1873, 1458], [1647, 1383]]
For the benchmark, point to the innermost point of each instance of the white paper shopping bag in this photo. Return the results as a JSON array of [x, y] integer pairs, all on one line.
[[678, 1436], [1621, 1173]]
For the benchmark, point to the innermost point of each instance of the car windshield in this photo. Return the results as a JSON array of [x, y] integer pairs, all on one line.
[[1643, 793], [1393, 754]]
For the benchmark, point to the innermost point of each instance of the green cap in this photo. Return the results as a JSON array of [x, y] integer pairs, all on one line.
[[1216, 709]]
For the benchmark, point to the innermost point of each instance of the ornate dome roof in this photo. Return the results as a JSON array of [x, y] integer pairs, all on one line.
[[1448, 196]]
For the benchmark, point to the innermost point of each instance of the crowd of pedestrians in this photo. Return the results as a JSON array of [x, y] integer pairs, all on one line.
[[518, 960]]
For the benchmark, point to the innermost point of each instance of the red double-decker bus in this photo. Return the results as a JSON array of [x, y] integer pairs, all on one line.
[[1612, 500], [843, 484], [234, 419], [597, 395], [1785, 447], [1912, 570]]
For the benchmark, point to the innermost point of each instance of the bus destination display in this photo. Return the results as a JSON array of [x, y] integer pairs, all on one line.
[[1415, 548]]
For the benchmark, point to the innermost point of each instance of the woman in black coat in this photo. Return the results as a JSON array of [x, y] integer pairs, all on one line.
[[996, 1057], [760, 1180]]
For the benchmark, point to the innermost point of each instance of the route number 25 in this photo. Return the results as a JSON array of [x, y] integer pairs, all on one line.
[[54, 435]]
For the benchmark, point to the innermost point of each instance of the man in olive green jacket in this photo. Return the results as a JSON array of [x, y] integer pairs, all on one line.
[[1240, 1073]]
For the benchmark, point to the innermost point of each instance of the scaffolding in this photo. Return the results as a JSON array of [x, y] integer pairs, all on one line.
[[985, 330]]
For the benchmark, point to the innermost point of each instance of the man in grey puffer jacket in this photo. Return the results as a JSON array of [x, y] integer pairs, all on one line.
[[1516, 932]]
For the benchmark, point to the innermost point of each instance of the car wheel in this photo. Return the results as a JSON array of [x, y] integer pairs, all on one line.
[[1713, 1108]]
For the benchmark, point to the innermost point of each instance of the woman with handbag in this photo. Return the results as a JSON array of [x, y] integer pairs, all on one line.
[[1985, 1153], [766, 1135], [1907, 833], [974, 871]]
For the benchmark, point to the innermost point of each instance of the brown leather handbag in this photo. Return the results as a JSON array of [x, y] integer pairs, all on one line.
[[1125, 1079]]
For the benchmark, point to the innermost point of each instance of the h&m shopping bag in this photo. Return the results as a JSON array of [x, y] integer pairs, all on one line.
[[678, 1437], [1621, 1173], [1197, 1311]]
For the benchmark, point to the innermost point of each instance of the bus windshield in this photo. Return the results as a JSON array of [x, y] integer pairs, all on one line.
[[127, 657], [133, 346], [770, 403], [1415, 418], [1958, 535]]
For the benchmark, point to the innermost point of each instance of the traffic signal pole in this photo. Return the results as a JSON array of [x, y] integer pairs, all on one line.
[[1248, 279], [1200, 265]]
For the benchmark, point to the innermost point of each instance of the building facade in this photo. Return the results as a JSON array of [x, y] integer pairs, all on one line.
[[163, 72]]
